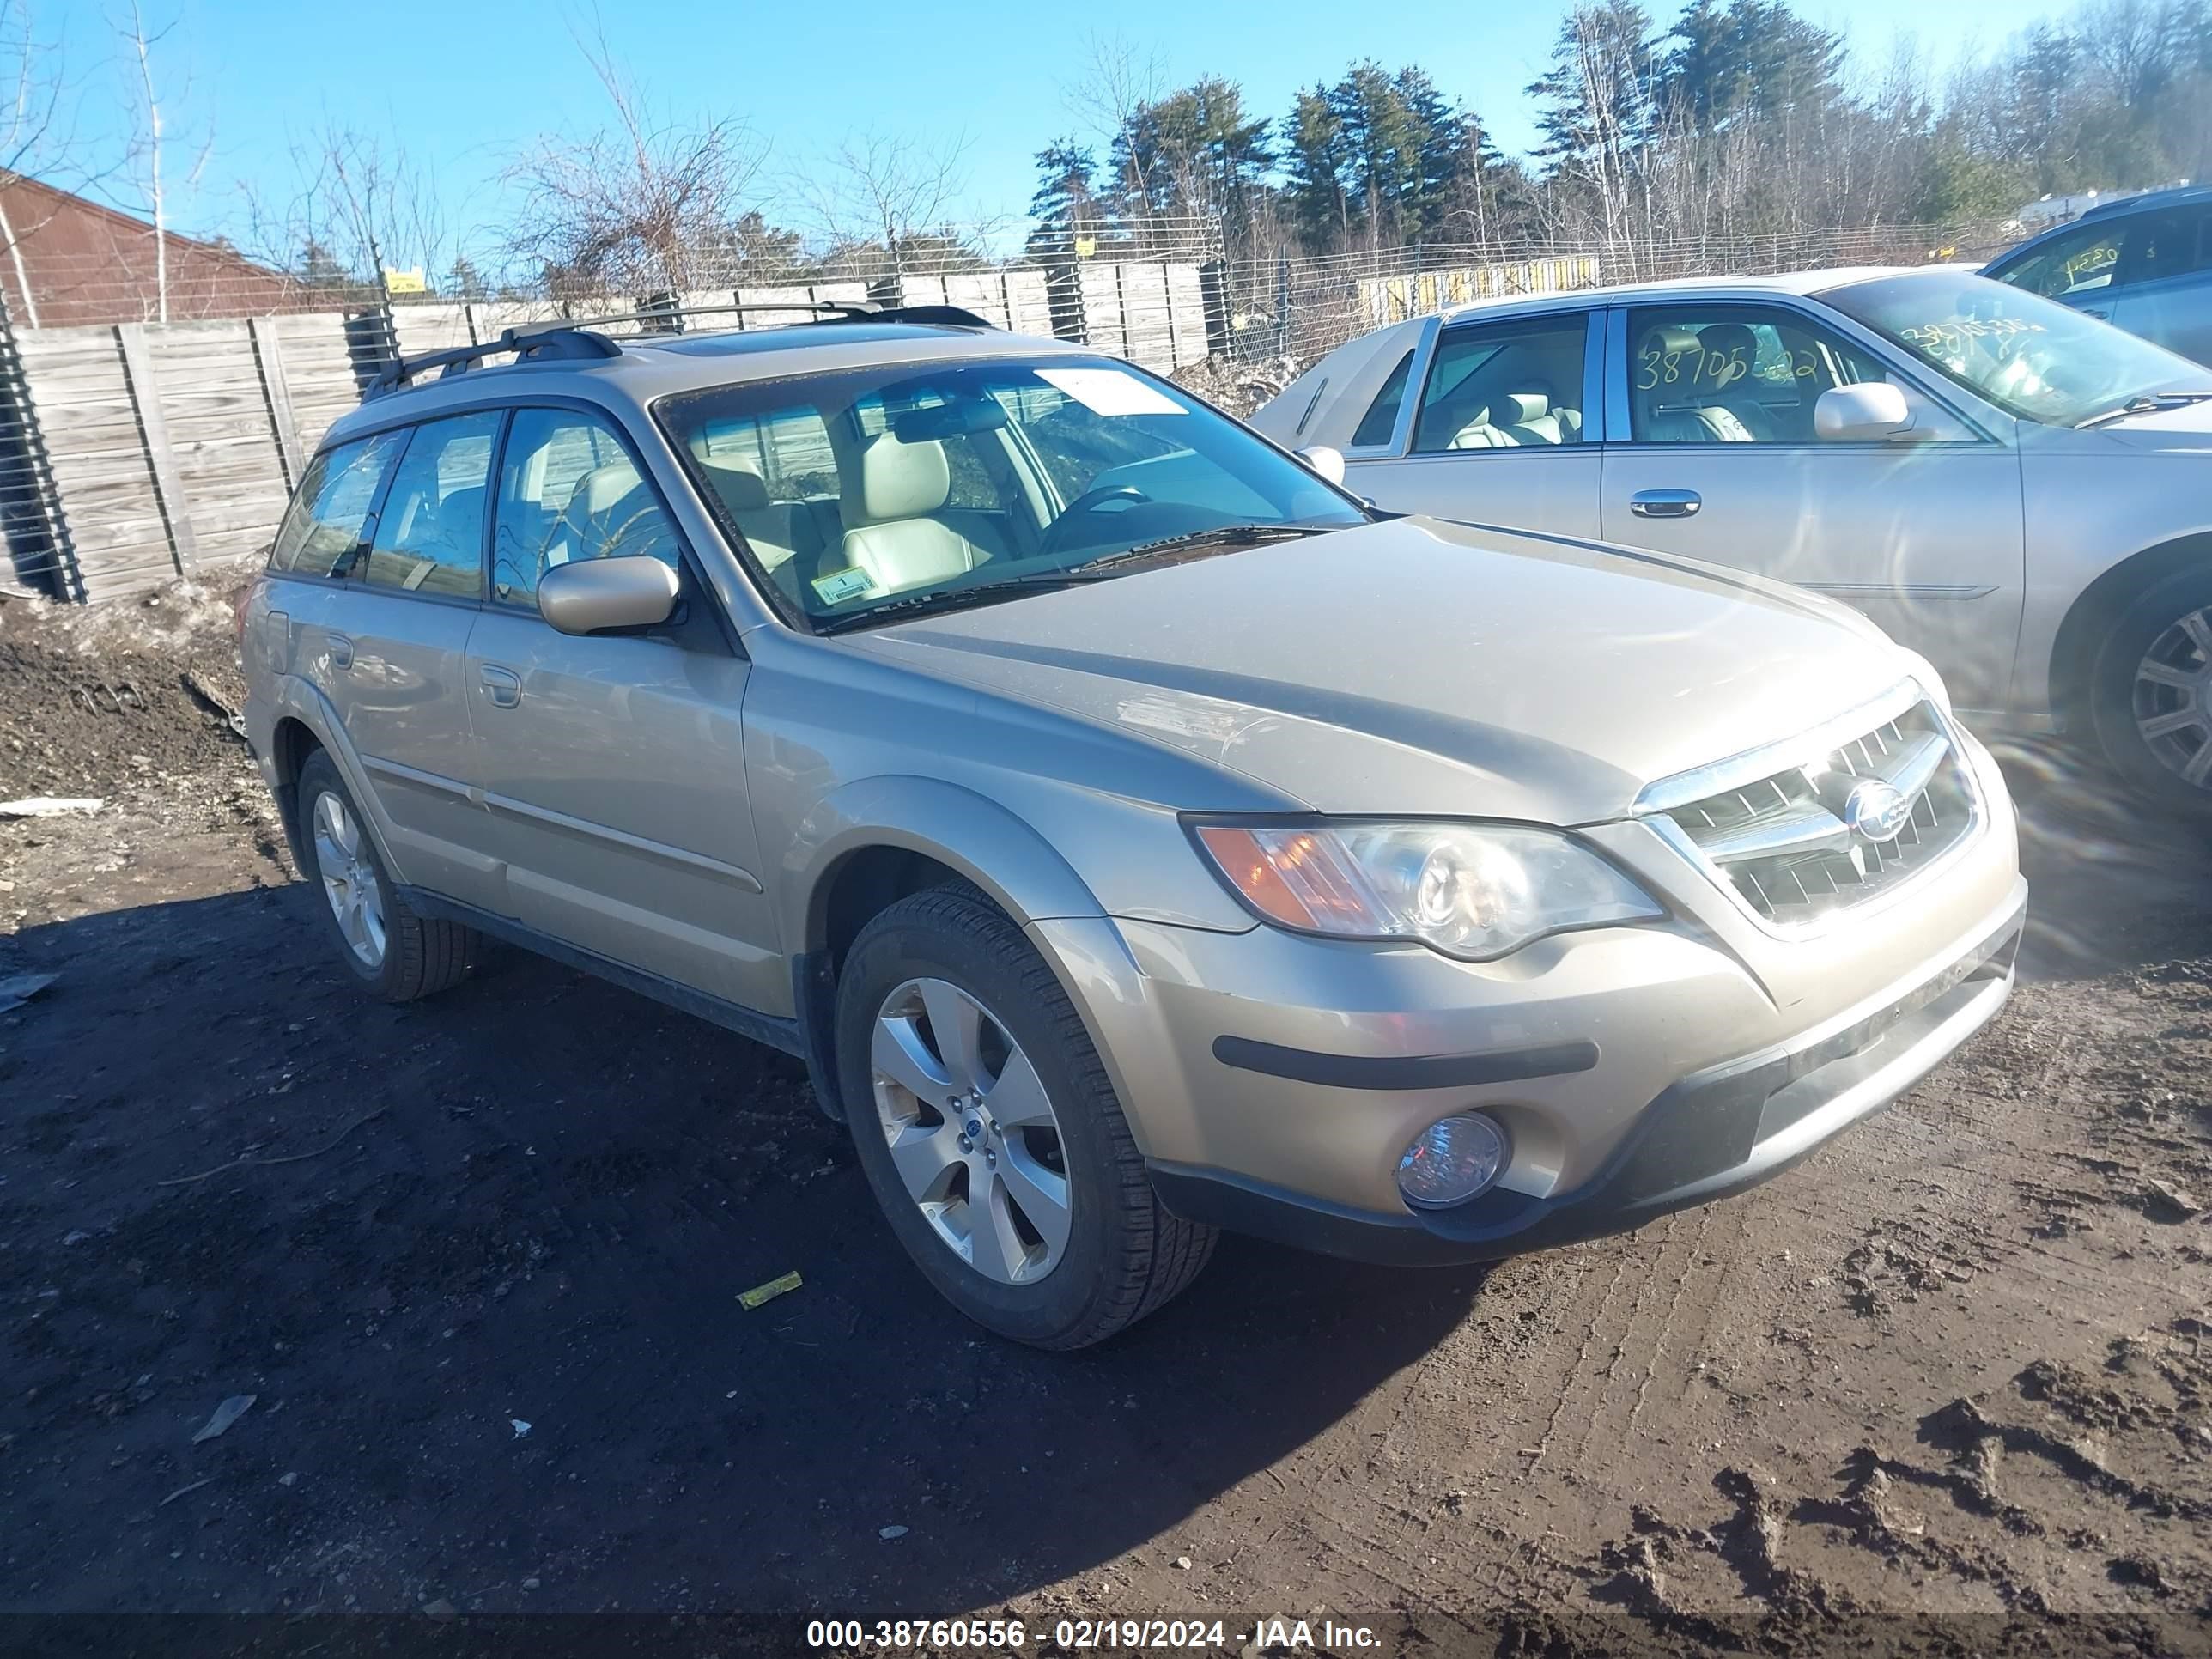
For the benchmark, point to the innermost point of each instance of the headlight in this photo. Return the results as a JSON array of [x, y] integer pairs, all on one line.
[[1472, 891]]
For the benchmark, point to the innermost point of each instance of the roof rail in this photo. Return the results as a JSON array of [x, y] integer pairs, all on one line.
[[556, 340], [580, 338]]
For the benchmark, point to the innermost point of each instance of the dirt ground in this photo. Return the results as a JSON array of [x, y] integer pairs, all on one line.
[[1946, 1388]]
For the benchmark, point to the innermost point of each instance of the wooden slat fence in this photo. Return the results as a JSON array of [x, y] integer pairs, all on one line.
[[130, 453]]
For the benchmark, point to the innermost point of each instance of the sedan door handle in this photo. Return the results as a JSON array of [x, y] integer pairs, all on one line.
[[502, 686], [1665, 503], [341, 651]]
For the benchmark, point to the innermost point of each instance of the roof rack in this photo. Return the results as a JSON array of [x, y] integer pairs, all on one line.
[[557, 340], [579, 337]]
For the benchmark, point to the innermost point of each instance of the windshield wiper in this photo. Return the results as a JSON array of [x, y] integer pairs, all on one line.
[[1101, 568], [949, 599], [1227, 535], [2143, 405]]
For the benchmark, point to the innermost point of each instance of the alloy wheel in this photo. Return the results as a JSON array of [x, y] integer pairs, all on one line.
[[2174, 698], [971, 1131], [349, 879]]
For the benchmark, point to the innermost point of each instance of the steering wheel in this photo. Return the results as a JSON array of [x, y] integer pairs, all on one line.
[[1090, 502]]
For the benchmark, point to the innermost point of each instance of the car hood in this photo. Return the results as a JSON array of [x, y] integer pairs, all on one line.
[[1416, 667]]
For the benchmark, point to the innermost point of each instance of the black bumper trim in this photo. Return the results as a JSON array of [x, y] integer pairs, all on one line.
[[1699, 1139], [1404, 1070]]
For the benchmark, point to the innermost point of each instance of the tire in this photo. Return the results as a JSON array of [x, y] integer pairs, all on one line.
[[1115, 1254], [2151, 694], [414, 955]]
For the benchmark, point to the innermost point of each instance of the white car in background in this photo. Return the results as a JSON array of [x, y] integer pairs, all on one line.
[[2021, 492]]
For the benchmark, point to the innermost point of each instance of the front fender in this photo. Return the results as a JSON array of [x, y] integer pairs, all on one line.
[[986, 843]]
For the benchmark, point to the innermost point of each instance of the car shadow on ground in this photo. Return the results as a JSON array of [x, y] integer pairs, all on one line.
[[2105, 873], [489, 1312]]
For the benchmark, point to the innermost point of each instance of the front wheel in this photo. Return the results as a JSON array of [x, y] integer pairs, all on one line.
[[2151, 693], [990, 1133]]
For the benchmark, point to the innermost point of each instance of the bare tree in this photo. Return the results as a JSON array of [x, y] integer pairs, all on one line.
[[879, 192], [358, 206], [144, 174], [1119, 81], [37, 135], [649, 203]]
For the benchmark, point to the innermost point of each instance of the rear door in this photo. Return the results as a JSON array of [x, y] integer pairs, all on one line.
[[612, 767], [1715, 457], [2163, 287], [1503, 430], [389, 666]]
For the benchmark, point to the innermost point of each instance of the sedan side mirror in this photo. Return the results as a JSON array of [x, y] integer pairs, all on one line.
[[1320, 458], [1853, 414], [595, 596]]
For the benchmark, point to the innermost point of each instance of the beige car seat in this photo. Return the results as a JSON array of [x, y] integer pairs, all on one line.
[[890, 537]]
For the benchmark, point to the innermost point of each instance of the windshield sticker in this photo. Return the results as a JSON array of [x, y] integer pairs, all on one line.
[[841, 585], [1111, 392]]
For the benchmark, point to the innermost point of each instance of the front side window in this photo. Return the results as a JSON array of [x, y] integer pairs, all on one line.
[[1504, 385], [940, 482], [323, 527], [2080, 261], [568, 489], [429, 537], [2031, 357], [1729, 374]]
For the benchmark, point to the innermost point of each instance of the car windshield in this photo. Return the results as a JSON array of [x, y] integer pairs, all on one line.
[[885, 490], [2038, 359]]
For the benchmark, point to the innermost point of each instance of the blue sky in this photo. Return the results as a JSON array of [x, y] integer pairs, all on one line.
[[460, 83]]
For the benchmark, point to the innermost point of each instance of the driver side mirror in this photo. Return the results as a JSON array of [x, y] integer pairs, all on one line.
[[1854, 414], [596, 596], [1321, 459]]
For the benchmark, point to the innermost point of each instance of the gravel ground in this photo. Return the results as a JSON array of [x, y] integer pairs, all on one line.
[[1944, 1387]]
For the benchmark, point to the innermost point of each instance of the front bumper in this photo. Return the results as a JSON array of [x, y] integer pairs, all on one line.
[[1719, 1130]]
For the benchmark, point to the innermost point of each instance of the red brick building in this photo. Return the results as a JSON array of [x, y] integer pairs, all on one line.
[[66, 261]]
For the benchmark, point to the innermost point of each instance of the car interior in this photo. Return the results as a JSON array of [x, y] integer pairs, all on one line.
[[1520, 394], [1731, 382]]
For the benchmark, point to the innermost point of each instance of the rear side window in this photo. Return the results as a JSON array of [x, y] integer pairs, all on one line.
[[1505, 386], [324, 526], [1381, 419], [429, 537], [568, 489]]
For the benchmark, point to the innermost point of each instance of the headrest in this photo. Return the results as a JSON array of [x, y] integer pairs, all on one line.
[[741, 488], [601, 487], [1724, 341], [1523, 407], [1669, 341], [897, 481]]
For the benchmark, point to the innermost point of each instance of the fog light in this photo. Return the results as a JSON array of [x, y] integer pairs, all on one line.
[[1450, 1162]]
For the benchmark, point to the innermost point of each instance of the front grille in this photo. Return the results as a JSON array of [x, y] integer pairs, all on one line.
[[1810, 840]]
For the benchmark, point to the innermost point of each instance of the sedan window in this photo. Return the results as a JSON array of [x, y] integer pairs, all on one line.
[[1505, 386], [1381, 421], [1725, 373]]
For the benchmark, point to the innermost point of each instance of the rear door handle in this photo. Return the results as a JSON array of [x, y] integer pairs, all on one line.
[[502, 686], [1665, 503], [341, 651]]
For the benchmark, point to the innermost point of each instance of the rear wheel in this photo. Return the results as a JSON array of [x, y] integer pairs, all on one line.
[[990, 1133], [388, 947], [2151, 693]]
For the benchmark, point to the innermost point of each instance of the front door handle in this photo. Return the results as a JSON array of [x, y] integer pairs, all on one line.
[[341, 651], [502, 686], [1665, 503]]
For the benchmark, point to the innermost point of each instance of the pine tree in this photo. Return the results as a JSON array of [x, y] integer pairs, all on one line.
[[1315, 165]]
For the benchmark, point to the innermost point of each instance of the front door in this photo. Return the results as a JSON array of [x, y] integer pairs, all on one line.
[[1721, 462], [612, 766], [1497, 434]]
